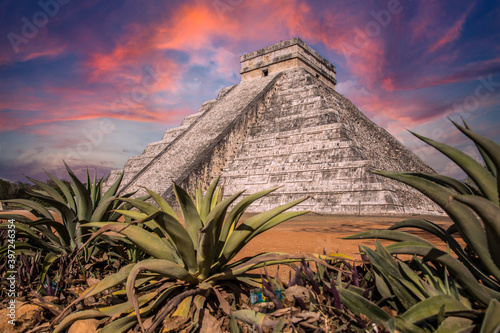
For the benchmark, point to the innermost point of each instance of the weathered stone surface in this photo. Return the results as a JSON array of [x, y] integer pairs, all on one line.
[[285, 55], [289, 129]]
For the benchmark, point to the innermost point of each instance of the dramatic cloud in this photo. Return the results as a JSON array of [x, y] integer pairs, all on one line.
[[140, 67]]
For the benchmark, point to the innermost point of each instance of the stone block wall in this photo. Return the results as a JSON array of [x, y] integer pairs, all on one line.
[[286, 55], [311, 141]]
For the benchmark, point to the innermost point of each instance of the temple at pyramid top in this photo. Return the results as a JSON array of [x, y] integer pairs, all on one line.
[[285, 55]]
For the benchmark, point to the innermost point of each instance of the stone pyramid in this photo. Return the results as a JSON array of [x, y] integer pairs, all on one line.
[[283, 125]]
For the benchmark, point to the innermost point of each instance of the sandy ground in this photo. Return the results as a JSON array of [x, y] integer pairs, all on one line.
[[313, 233]]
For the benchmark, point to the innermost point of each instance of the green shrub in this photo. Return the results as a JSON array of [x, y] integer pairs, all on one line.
[[473, 270], [187, 261], [74, 207]]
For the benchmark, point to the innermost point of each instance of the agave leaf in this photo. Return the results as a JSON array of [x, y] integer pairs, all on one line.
[[434, 229], [47, 232], [487, 160], [204, 256], [149, 243], [92, 186], [487, 210], [113, 189], [357, 303], [133, 214], [390, 235], [19, 246], [183, 308], [490, 215], [483, 179], [218, 214], [143, 206], [491, 149], [50, 191], [163, 267], [274, 222], [217, 197], [67, 193], [265, 259], [382, 286], [431, 306], [39, 209], [234, 216], [70, 319], [24, 231], [237, 239], [211, 232], [62, 238], [83, 201], [454, 324], [120, 325], [47, 262], [164, 206], [179, 237], [126, 307], [16, 217], [207, 199], [89, 187], [403, 325], [383, 264], [118, 204], [192, 220], [469, 226], [481, 293], [491, 321], [103, 207], [253, 318], [450, 182], [198, 197], [391, 275], [446, 237], [423, 291], [109, 281], [66, 232], [66, 213]]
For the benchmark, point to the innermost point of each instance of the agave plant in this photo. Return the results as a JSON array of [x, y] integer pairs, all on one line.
[[76, 206], [476, 216], [187, 260]]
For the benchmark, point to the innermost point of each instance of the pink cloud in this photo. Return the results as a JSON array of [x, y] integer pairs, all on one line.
[[452, 33]]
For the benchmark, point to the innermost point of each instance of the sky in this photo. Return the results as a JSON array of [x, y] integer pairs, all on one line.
[[93, 82]]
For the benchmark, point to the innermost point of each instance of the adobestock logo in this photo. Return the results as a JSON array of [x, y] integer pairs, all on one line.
[[29, 30]]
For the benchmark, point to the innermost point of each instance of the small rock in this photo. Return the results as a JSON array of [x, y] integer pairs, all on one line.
[[84, 326], [92, 281], [89, 301], [27, 316], [297, 292]]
